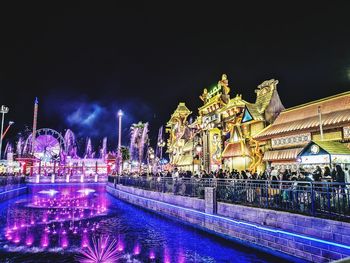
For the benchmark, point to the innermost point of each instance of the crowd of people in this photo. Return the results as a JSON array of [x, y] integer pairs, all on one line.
[[325, 174]]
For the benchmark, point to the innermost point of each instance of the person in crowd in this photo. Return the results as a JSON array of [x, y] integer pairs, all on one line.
[[339, 175], [285, 175], [243, 175], [273, 173], [221, 174], [317, 174], [175, 173], [334, 173], [327, 175], [188, 174]]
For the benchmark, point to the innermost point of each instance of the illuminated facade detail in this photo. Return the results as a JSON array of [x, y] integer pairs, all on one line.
[[246, 116], [180, 144], [291, 140], [225, 127], [315, 149]]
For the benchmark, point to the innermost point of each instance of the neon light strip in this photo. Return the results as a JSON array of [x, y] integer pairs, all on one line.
[[245, 223], [13, 190]]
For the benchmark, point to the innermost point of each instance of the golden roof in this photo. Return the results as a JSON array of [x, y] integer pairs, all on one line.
[[181, 112], [335, 111], [235, 102], [235, 149], [254, 112], [213, 100], [280, 155]]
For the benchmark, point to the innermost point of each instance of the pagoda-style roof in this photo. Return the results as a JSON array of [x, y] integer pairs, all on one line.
[[335, 112], [212, 102], [234, 102], [282, 155], [234, 150], [181, 112]]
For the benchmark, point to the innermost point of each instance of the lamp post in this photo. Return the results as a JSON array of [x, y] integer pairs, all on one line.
[[119, 154], [3, 110], [161, 144]]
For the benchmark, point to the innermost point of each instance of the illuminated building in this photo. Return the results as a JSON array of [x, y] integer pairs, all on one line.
[[179, 145], [297, 130], [222, 135]]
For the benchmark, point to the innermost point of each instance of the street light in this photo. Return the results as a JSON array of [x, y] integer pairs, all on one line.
[[3, 110], [119, 155]]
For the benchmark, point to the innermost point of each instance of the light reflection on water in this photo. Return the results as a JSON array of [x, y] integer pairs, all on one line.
[[56, 226]]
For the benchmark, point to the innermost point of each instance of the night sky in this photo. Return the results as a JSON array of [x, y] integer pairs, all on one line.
[[84, 62]]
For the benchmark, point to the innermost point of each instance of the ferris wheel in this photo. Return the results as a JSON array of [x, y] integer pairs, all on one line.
[[48, 144]]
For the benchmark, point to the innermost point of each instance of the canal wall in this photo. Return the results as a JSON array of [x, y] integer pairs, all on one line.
[[309, 238], [12, 192]]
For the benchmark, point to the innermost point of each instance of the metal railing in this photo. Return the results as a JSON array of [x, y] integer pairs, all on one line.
[[185, 187], [319, 199]]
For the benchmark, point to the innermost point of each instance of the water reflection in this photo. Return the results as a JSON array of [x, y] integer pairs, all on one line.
[[61, 222]]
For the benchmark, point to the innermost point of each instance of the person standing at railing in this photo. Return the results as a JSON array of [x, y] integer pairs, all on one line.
[[334, 173], [340, 177], [347, 176], [175, 173], [327, 175], [317, 174]]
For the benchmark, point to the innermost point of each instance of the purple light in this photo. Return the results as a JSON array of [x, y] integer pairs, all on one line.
[[166, 256], [29, 240], [65, 243], [45, 240], [101, 250], [120, 247], [152, 255], [137, 249]]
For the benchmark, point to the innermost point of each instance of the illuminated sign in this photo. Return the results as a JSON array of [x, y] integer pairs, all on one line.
[[291, 140], [211, 118], [338, 158], [215, 90], [315, 149], [314, 159]]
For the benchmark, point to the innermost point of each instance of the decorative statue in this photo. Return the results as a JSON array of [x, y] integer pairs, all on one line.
[[223, 83], [204, 96]]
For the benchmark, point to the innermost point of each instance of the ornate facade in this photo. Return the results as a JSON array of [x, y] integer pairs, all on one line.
[[296, 127], [221, 137]]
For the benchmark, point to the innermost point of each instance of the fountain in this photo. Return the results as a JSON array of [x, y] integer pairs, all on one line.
[[139, 138], [71, 144]]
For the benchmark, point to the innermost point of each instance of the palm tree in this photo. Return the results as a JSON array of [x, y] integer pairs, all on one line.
[[125, 153]]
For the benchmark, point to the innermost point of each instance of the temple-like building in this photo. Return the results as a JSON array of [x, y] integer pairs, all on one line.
[[221, 137], [179, 142]]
